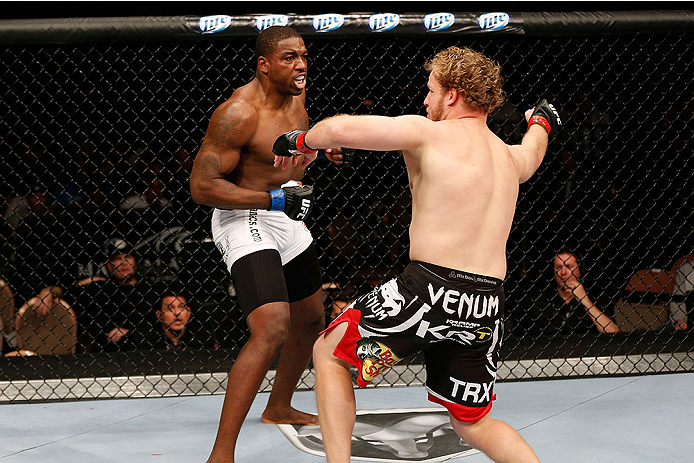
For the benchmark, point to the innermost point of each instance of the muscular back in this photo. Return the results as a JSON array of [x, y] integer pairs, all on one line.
[[464, 185]]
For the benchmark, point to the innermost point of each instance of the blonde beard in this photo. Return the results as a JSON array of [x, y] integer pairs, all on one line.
[[436, 114]]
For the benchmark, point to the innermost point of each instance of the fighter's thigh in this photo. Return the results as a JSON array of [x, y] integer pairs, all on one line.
[[309, 310], [303, 275], [258, 279]]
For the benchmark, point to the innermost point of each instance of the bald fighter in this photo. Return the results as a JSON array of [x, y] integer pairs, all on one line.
[[449, 300], [257, 224]]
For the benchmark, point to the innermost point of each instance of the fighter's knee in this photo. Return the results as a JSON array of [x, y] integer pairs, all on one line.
[[272, 336], [469, 430], [322, 350], [326, 344], [319, 347]]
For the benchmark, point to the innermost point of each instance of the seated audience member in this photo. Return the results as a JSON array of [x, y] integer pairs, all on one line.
[[176, 325], [683, 295], [567, 308], [46, 324], [153, 195], [337, 298], [109, 309], [7, 318]]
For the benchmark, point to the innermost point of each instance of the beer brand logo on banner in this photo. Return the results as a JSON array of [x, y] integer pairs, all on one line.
[[212, 24], [493, 21], [438, 21], [327, 22], [383, 22], [268, 20]]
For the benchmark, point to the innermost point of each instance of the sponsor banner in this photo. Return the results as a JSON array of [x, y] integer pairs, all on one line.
[[382, 23], [398, 435]]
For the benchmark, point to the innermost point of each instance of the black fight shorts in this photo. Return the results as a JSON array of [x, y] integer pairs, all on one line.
[[453, 317], [259, 278]]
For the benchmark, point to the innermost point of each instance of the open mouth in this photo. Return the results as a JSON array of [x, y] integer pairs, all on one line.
[[300, 80]]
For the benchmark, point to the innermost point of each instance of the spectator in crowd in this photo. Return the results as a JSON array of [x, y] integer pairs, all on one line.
[[46, 324], [337, 298], [567, 308], [153, 196], [39, 241], [17, 206], [176, 325], [109, 309], [181, 169], [683, 294], [7, 314], [374, 233]]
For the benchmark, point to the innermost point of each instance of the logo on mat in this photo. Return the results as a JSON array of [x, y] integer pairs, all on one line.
[[493, 21], [212, 24], [268, 20], [383, 22], [438, 21], [375, 357], [327, 22], [423, 435]]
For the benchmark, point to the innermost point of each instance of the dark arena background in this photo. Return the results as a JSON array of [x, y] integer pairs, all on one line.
[[102, 118]]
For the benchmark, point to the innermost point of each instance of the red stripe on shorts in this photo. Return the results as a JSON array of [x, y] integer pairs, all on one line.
[[461, 412]]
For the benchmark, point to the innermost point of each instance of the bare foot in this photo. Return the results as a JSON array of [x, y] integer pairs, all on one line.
[[289, 416]]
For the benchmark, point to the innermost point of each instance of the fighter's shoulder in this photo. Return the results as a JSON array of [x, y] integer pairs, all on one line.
[[233, 123], [413, 119], [414, 127], [239, 108]]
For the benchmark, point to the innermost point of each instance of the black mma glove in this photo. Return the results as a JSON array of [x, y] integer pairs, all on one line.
[[295, 201], [546, 116], [291, 143], [347, 156]]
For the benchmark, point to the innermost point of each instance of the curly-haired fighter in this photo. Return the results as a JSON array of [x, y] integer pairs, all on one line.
[[258, 226], [449, 301]]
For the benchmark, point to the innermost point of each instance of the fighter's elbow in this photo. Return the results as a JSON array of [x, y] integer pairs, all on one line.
[[197, 192]]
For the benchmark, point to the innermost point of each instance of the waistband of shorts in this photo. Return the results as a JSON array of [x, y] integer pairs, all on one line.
[[450, 274]]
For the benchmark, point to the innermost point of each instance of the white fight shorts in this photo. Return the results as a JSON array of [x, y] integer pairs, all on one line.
[[237, 233]]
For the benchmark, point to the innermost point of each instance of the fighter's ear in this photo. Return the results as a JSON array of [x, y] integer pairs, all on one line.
[[451, 96], [263, 64]]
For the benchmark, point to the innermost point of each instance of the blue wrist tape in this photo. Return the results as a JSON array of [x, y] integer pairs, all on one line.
[[277, 197], [321, 155]]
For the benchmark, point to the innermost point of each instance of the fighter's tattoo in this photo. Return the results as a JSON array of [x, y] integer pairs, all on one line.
[[228, 126], [208, 164]]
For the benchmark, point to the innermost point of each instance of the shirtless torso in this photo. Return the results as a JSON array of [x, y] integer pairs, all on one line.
[[448, 303], [237, 149], [233, 172], [464, 185]]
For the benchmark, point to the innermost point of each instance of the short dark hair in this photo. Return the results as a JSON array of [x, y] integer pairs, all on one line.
[[341, 293], [570, 251], [268, 39], [173, 288]]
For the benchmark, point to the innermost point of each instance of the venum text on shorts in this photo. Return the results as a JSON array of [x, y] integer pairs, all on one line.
[[475, 305]]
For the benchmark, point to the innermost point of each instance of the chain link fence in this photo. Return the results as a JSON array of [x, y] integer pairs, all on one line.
[[97, 143]]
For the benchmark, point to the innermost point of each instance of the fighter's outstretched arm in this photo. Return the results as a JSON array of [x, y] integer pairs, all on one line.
[[375, 133], [543, 120]]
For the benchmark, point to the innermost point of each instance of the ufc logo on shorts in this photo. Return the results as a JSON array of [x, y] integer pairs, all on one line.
[[467, 391], [305, 206]]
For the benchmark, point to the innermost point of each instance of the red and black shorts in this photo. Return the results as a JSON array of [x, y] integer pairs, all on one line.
[[455, 318]]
